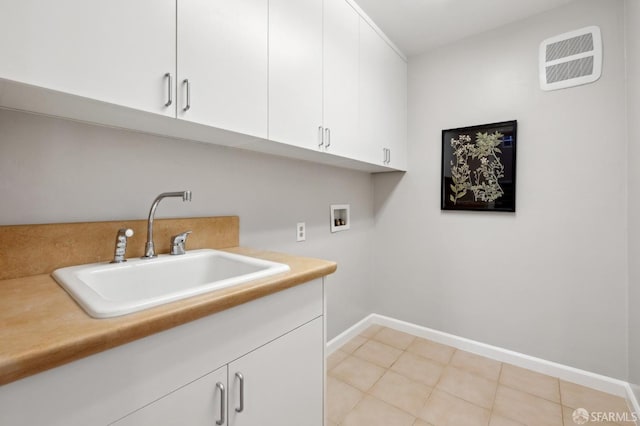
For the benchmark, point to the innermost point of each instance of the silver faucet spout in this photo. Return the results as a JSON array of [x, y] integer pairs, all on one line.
[[149, 249]]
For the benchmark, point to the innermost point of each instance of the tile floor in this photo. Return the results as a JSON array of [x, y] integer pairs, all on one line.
[[387, 378]]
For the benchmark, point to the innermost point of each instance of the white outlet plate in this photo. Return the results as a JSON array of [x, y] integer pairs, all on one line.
[[301, 231]]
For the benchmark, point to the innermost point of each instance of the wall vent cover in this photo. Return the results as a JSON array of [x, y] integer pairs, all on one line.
[[571, 59]]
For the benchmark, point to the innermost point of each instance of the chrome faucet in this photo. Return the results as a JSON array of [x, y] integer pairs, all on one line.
[[149, 250]]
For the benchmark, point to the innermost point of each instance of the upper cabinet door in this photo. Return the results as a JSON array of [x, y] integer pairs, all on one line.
[[373, 112], [383, 105], [116, 51], [341, 79], [295, 72], [222, 62], [397, 145]]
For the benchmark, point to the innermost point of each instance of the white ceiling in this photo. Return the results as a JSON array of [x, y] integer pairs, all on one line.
[[416, 26]]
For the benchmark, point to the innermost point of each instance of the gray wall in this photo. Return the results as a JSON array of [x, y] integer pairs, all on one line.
[[551, 279], [53, 170], [632, 13]]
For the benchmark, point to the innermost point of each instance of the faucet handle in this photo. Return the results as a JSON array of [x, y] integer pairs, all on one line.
[[121, 245], [178, 243]]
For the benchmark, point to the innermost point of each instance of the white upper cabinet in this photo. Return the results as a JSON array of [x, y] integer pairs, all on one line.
[[372, 108], [295, 72], [397, 144], [222, 62], [340, 82], [117, 51], [262, 74], [382, 100]]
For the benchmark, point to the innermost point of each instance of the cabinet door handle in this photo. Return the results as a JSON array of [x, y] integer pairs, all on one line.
[[384, 155], [240, 407], [222, 400], [320, 137], [169, 89], [387, 156], [327, 132], [188, 105]]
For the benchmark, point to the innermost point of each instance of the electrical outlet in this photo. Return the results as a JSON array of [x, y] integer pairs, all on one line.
[[301, 232]]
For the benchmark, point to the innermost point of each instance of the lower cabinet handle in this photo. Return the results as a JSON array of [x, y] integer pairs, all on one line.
[[222, 405], [240, 407], [188, 106], [388, 156], [384, 153], [328, 134]]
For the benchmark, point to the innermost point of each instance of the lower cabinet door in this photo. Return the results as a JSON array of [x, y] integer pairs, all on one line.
[[202, 402], [280, 383]]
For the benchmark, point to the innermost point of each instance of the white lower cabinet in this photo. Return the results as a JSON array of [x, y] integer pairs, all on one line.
[[176, 377], [278, 384], [283, 381], [198, 403]]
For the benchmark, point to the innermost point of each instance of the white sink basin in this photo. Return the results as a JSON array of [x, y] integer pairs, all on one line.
[[107, 290]]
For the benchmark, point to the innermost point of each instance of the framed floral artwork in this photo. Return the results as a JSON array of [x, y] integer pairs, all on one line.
[[479, 167]]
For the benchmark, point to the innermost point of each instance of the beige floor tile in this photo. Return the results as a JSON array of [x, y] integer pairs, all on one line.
[[358, 373], [401, 392], [335, 358], [526, 408], [418, 369], [576, 396], [432, 350], [541, 385], [353, 344], [443, 409], [470, 387], [394, 338], [373, 412], [371, 331], [464, 389], [378, 353], [476, 364], [497, 420], [341, 398]]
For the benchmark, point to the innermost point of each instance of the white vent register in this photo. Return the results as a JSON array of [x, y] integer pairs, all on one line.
[[571, 59]]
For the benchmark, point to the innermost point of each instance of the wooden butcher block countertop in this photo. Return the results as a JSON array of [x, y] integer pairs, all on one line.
[[41, 326]]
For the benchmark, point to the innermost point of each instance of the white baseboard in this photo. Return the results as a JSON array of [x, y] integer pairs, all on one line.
[[349, 334], [564, 372]]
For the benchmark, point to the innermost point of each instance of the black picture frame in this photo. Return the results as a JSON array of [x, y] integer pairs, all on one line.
[[479, 167]]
